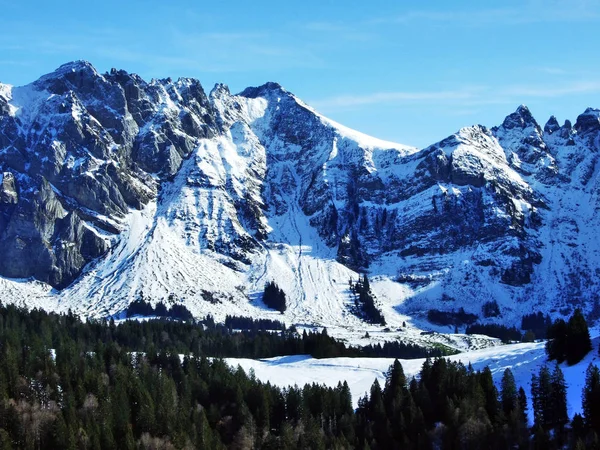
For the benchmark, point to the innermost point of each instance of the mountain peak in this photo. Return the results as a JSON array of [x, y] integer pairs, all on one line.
[[78, 74], [79, 65], [588, 121], [521, 118], [220, 89], [259, 91], [552, 125]]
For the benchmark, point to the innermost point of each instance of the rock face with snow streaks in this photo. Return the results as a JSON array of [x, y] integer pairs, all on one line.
[[81, 148]]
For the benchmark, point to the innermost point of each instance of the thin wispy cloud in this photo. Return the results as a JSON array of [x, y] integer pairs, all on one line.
[[188, 53], [341, 31], [349, 101], [527, 14], [582, 87], [247, 52], [326, 26], [552, 70], [463, 97], [424, 16], [18, 63]]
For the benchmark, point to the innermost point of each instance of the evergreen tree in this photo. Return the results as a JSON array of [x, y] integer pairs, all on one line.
[[126, 387], [508, 393], [579, 343], [274, 297], [541, 438], [569, 341], [536, 324], [578, 429], [395, 385], [365, 302], [523, 409], [490, 393], [541, 391], [591, 398], [558, 402], [556, 346], [366, 285]]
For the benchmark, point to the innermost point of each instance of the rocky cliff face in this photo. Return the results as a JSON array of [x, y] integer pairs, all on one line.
[[79, 149], [234, 190]]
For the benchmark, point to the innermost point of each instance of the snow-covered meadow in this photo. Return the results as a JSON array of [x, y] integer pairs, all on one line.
[[523, 359]]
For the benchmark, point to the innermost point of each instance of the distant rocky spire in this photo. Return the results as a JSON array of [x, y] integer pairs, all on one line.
[[552, 125]]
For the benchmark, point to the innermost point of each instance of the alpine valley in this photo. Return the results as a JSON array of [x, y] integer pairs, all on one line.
[[113, 189]]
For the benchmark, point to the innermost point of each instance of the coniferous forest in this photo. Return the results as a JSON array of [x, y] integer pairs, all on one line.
[[274, 297], [364, 301], [66, 384]]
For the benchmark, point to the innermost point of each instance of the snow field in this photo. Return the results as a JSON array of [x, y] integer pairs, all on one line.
[[523, 359]]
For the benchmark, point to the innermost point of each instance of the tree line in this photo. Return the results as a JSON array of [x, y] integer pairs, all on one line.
[[567, 340], [141, 307], [239, 337]]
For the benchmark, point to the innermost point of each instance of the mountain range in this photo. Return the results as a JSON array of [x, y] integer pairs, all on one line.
[[113, 188]]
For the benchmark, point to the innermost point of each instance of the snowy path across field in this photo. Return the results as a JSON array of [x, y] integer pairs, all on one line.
[[523, 359]]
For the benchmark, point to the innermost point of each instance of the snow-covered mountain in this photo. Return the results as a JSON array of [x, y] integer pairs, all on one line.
[[114, 188]]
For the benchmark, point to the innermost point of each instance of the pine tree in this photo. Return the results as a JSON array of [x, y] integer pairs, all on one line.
[[204, 433], [541, 438], [274, 297], [558, 402], [523, 409], [569, 341], [556, 347], [394, 396], [376, 407], [395, 384], [578, 428], [490, 393], [541, 395], [508, 392], [366, 284], [591, 398], [346, 399], [364, 302], [578, 342]]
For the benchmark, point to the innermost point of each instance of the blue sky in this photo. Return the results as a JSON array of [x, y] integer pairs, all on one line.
[[412, 72]]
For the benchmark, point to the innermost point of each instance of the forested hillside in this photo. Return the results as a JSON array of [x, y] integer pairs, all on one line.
[[96, 385]]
